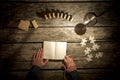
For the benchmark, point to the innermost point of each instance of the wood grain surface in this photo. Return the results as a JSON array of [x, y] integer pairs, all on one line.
[[17, 47]]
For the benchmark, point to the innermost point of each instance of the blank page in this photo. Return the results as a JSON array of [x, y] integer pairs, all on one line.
[[60, 50], [49, 50]]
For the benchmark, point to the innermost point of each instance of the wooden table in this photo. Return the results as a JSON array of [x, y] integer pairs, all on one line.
[[17, 46]]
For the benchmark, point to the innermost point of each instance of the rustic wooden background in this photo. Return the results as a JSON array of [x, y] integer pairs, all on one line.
[[17, 46]]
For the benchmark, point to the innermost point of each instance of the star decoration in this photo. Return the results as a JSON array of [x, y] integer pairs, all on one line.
[[92, 39], [83, 42], [89, 59], [87, 51], [98, 55], [95, 47], [90, 56]]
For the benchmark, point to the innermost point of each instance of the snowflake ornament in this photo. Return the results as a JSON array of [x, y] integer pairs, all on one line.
[[99, 55], [87, 51], [95, 47], [92, 39], [88, 59], [90, 56], [83, 42]]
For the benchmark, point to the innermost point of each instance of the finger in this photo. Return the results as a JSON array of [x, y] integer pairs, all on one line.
[[68, 60], [42, 52], [38, 53], [34, 56], [72, 61], [68, 55], [46, 61], [65, 60]]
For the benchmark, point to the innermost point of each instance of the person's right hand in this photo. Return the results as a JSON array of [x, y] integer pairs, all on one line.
[[69, 64]]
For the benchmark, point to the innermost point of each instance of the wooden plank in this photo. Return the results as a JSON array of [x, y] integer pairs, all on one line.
[[19, 56], [52, 76], [18, 11], [56, 34], [55, 0], [98, 63], [28, 49], [98, 74], [87, 74], [44, 75]]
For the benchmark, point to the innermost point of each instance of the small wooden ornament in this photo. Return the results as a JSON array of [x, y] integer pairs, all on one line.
[[34, 23], [68, 18], [53, 14], [58, 15], [71, 19], [24, 25], [65, 16], [61, 15], [50, 16], [46, 17]]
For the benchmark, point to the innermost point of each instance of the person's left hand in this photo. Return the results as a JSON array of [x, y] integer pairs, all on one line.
[[38, 59]]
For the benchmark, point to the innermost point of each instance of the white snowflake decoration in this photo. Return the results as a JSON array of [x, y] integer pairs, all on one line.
[[89, 59], [95, 47], [90, 56], [92, 39], [87, 51], [99, 55], [83, 42]]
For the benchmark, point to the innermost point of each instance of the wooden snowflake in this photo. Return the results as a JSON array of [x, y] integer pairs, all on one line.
[[83, 42], [99, 55], [92, 39], [90, 56], [87, 51], [88, 59], [95, 46]]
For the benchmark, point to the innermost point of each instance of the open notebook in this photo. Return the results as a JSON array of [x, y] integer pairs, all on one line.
[[54, 50]]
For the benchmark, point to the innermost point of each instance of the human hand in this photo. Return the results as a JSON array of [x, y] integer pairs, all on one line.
[[38, 58], [69, 64]]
